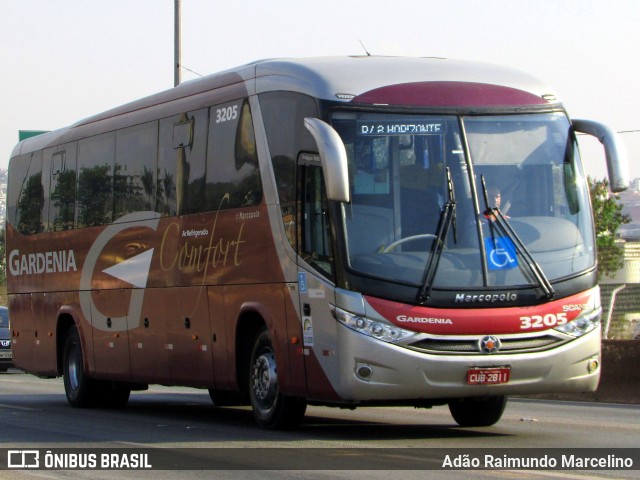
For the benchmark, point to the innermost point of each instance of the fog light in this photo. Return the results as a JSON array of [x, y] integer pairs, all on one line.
[[593, 365], [364, 372]]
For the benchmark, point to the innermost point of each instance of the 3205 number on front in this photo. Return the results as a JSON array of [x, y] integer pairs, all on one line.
[[542, 321]]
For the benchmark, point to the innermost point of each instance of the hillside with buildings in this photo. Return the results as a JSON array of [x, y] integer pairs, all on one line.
[[631, 201], [629, 237], [3, 196]]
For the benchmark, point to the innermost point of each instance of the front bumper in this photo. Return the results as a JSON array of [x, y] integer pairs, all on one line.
[[371, 370]]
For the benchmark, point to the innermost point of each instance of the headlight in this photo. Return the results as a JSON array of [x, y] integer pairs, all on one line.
[[373, 328], [582, 325]]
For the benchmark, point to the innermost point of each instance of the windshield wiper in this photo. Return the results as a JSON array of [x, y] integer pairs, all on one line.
[[446, 221], [498, 221]]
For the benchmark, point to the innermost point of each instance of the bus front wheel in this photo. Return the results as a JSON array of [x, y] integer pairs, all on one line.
[[478, 411], [271, 408]]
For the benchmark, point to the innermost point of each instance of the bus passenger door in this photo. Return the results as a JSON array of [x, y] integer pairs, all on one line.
[[317, 291]]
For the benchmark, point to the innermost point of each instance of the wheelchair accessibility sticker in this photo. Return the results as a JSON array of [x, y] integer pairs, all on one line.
[[501, 253]]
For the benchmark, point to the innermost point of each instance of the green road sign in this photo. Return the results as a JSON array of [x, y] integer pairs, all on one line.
[[24, 134]]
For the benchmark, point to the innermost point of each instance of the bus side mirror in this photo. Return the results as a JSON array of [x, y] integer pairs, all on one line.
[[614, 149], [333, 157]]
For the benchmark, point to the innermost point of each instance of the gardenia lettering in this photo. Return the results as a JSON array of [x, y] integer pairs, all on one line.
[[47, 262], [404, 318]]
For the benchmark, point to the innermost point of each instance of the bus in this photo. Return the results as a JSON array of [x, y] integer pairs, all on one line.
[[357, 231]]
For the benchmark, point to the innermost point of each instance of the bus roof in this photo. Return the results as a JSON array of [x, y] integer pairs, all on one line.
[[345, 79]]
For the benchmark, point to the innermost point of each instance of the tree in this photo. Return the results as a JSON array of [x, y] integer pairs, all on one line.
[[608, 218]]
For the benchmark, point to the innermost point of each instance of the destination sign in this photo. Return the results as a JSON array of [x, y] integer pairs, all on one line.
[[401, 127]]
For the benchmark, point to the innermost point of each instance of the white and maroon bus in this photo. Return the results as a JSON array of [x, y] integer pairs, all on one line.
[[330, 231]]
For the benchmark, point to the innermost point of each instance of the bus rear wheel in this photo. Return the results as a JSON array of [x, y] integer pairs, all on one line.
[[271, 408], [80, 389], [478, 411]]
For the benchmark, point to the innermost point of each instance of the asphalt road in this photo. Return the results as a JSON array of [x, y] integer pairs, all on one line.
[[365, 443]]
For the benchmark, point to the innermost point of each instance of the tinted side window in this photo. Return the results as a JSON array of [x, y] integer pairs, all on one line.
[[315, 244], [18, 169], [181, 163], [26, 195], [60, 164], [95, 180], [135, 169], [284, 114], [232, 160]]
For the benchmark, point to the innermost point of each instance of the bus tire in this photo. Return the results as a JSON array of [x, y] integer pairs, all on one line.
[[477, 412], [271, 408], [80, 389]]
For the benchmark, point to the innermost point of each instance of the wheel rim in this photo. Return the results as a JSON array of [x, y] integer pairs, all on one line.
[[73, 369], [264, 380]]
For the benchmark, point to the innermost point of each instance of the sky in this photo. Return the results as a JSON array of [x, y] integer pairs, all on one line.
[[65, 60]]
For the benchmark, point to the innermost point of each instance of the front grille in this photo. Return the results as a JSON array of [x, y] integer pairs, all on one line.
[[470, 346]]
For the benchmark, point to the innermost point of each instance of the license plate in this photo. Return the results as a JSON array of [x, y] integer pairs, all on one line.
[[5, 354], [488, 376]]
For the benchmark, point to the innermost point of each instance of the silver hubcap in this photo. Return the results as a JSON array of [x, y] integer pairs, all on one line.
[[73, 370], [265, 379]]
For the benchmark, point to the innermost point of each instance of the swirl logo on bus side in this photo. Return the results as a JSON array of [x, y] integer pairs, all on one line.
[[135, 271], [200, 251]]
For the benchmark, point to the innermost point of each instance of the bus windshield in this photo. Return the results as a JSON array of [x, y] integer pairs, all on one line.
[[433, 185]]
